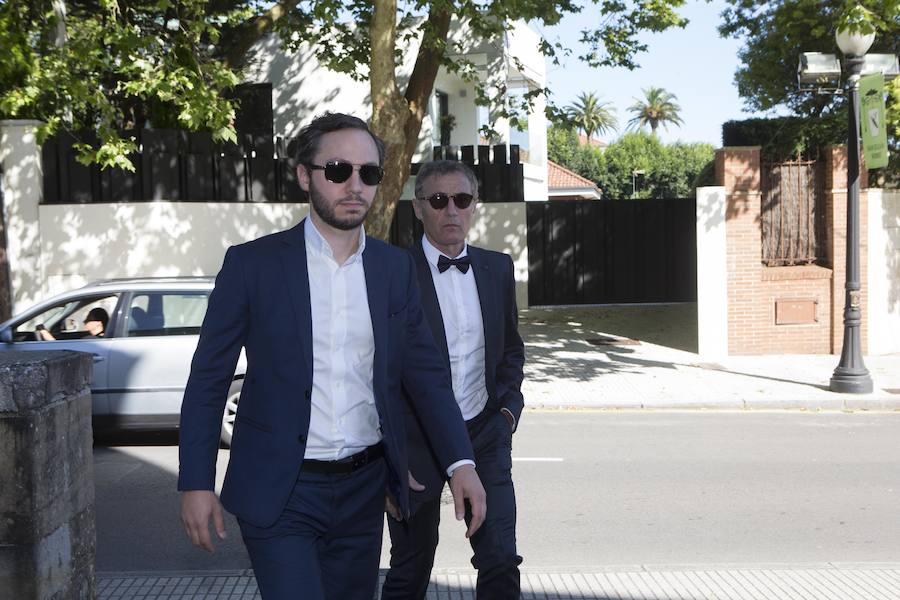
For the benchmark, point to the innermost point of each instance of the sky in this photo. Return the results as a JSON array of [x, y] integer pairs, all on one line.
[[693, 63]]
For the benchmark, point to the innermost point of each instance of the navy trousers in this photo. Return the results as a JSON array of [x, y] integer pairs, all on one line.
[[326, 545], [414, 541]]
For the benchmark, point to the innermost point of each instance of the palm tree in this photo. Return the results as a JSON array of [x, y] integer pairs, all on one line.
[[591, 115], [657, 108]]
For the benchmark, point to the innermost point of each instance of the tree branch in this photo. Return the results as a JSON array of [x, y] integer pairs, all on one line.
[[239, 41], [428, 60]]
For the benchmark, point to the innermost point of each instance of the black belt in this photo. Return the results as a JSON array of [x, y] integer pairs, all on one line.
[[344, 465], [485, 414]]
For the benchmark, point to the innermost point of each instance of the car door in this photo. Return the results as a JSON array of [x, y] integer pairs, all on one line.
[[64, 321], [150, 361]]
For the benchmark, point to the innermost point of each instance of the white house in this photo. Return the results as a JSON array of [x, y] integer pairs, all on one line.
[[303, 88]]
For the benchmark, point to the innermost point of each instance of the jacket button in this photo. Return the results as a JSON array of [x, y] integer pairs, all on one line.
[[301, 438], [308, 394]]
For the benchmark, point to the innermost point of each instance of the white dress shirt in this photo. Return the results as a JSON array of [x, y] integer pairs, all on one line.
[[343, 418], [461, 312]]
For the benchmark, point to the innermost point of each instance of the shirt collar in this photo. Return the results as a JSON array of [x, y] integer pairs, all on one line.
[[432, 254], [316, 242]]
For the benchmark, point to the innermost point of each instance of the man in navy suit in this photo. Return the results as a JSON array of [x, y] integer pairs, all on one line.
[[469, 299], [332, 325]]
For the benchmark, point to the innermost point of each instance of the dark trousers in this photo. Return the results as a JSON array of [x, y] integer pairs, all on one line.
[[326, 545], [414, 541]]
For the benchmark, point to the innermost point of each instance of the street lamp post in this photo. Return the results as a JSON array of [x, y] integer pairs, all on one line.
[[634, 175], [851, 375]]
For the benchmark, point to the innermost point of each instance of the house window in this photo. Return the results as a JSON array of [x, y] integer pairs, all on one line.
[[519, 137], [440, 116]]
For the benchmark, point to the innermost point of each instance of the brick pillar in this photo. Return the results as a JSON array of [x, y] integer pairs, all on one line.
[[836, 236], [738, 170]]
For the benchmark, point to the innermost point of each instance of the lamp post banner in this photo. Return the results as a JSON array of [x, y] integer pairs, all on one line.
[[871, 117]]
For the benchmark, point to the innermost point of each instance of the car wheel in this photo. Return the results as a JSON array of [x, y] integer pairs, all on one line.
[[231, 406]]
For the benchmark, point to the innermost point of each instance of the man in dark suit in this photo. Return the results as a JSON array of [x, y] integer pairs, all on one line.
[[469, 299], [332, 325]]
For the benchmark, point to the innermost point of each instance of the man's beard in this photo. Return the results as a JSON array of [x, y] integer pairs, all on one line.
[[327, 214]]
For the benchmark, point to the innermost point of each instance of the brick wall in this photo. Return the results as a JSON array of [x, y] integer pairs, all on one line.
[[784, 310]]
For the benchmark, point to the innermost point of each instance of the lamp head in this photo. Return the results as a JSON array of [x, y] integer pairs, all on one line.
[[854, 43]]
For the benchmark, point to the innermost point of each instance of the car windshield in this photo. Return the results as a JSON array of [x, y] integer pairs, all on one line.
[[66, 320]]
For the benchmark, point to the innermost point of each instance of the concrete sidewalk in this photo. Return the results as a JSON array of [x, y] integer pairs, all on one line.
[[804, 582], [618, 357]]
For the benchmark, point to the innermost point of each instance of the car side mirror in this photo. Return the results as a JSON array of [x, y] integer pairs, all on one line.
[[6, 335]]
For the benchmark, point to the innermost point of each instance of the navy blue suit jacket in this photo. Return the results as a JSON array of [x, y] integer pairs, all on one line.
[[261, 303], [504, 353]]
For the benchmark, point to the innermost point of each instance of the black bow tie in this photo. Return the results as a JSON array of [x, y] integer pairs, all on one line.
[[462, 263]]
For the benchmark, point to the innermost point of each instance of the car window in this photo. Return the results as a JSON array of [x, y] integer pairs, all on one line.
[[166, 313], [64, 321]]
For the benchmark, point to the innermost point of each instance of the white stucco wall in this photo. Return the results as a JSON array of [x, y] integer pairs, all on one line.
[[84, 242], [501, 226], [535, 185], [20, 162], [80, 243], [712, 273], [884, 271]]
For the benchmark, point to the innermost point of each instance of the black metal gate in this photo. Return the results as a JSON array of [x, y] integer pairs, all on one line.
[[612, 251]]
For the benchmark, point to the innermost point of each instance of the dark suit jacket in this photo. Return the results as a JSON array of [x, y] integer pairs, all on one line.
[[261, 303], [504, 353]]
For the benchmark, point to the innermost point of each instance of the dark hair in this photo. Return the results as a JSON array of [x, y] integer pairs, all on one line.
[[98, 314], [308, 140], [437, 168]]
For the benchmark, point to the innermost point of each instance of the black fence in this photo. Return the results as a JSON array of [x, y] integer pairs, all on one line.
[[405, 228], [611, 251], [190, 167], [500, 173], [174, 165]]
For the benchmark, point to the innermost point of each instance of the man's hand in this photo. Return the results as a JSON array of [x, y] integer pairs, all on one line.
[[197, 506], [391, 506], [465, 485]]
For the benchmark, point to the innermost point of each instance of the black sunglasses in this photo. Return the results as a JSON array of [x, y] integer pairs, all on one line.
[[440, 200], [338, 171]]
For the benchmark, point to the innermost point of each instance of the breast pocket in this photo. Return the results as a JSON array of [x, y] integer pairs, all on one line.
[[397, 333]]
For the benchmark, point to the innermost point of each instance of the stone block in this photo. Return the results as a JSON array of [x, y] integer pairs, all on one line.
[[47, 525]]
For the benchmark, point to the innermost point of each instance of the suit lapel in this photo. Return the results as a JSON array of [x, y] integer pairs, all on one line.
[[377, 288], [486, 297], [296, 276], [430, 305]]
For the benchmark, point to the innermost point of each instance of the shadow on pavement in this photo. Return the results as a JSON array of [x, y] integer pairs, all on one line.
[[580, 343], [137, 513]]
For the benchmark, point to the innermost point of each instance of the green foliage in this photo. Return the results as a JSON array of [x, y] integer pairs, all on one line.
[[776, 32], [678, 171], [122, 64], [591, 115], [657, 108], [110, 67], [668, 171], [786, 138], [564, 148], [614, 43]]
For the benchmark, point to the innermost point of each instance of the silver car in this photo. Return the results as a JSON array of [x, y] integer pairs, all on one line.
[[142, 358]]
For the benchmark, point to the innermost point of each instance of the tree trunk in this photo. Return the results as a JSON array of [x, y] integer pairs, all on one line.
[[5, 283], [397, 119]]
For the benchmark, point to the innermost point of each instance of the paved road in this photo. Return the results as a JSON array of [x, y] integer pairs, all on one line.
[[604, 489]]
